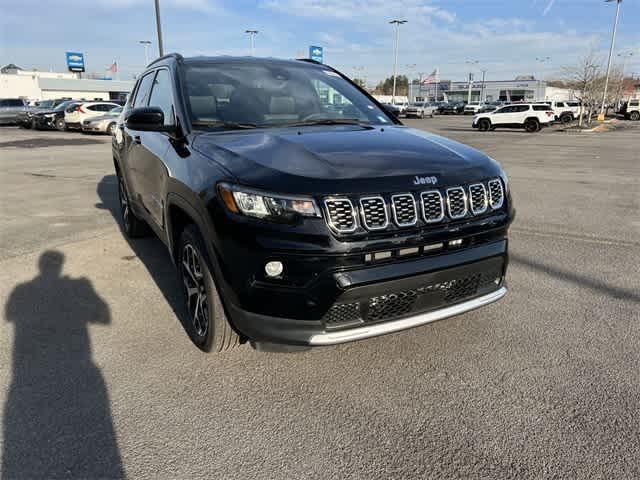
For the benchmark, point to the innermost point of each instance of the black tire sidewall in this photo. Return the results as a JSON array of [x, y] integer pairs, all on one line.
[[484, 125], [60, 124], [531, 126]]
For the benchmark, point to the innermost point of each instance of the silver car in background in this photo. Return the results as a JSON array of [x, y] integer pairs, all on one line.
[[106, 123], [421, 109], [12, 110]]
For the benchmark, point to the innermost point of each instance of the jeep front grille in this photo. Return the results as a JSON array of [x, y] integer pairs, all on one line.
[[432, 208], [478, 198], [404, 210], [341, 215], [374, 213], [456, 202], [496, 195]]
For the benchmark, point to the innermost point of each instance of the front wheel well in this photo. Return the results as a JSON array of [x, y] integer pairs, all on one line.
[[179, 219]]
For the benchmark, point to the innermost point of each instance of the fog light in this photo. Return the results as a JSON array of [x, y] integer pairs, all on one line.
[[273, 269]]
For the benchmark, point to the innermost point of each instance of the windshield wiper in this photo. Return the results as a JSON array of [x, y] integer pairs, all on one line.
[[329, 121], [225, 124]]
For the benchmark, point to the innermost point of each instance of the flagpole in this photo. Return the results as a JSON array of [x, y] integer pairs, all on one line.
[[437, 73]]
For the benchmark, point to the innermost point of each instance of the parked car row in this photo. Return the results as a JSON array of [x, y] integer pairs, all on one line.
[[94, 116]]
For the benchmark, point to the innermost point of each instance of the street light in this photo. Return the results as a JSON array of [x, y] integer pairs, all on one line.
[[542, 61], [397, 23], [145, 44], [159, 28], [252, 34], [470, 62], [613, 43]]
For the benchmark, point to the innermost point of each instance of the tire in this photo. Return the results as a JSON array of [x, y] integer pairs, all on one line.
[[531, 125], [422, 115], [206, 322], [566, 119], [635, 116], [484, 125], [111, 129], [132, 226], [61, 125]]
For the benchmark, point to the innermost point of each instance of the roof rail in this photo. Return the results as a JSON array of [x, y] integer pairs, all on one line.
[[175, 55]]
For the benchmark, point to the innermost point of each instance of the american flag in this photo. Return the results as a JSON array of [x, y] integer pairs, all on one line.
[[433, 78], [114, 67]]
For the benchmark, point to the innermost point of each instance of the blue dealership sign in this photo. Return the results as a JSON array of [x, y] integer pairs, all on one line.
[[75, 61], [316, 53]]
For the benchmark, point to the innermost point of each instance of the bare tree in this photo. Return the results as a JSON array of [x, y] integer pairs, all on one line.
[[585, 78]]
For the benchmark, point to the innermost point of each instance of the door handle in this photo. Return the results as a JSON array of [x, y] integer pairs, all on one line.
[[136, 139]]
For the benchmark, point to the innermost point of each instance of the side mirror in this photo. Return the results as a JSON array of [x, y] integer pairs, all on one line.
[[147, 119]]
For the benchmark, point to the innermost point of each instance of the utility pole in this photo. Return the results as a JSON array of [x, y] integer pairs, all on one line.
[[542, 61], [482, 95], [397, 23], [145, 44], [470, 84], [613, 43], [159, 28], [252, 34]]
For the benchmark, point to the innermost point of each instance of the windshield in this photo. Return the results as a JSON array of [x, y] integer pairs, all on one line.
[[271, 95], [62, 106], [45, 104]]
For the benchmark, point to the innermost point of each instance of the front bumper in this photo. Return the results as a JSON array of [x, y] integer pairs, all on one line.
[[367, 302]]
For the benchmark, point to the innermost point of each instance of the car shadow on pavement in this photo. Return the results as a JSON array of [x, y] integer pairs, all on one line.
[[150, 250], [57, 416], [581, 280]]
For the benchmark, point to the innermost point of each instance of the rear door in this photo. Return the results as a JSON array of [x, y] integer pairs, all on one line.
[[502, 116]]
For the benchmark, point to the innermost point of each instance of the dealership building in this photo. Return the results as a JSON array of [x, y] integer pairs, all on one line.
[[524, 88], [34, 85]]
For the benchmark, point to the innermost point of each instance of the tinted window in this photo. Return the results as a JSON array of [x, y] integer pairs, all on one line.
[[11, 103], [162, 95], [541, 108], [270, 94], [634, 103], [520, 108], [505, 110], [144, 88], [94, 108]]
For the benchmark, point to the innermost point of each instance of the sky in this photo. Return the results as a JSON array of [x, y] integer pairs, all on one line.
[[504, 37]]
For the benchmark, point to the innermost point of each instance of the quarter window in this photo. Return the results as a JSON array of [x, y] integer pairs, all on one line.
[[144, 88]]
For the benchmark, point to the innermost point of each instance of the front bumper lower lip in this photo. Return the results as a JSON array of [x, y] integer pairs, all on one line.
[[359, 333]]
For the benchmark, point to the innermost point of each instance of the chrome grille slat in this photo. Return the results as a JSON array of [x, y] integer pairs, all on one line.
[[432, 206], [456, 202], [341, 215], [496, 194], [478, 198], [374, 213], [405, 213]]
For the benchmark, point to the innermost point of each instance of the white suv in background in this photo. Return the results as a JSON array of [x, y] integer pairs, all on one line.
[[530, 116], [85, 111], [564, 111]]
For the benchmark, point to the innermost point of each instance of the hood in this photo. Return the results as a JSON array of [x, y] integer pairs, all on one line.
[[341, 159]]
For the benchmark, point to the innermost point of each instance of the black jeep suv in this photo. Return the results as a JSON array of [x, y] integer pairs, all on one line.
[[297, 211]]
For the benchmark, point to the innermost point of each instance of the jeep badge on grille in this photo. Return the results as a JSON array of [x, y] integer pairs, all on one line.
[[425, 180]]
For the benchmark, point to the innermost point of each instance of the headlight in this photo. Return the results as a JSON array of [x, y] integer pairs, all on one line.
[[269, 206], [50, 115]]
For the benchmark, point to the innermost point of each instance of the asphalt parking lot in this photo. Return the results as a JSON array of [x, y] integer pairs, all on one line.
[[99, 380]]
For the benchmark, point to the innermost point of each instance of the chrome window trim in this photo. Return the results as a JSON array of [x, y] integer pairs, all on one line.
[[424, 216], [495, 207], [364, 219], [330, 222], [395, 215], [486, 199], [464, 198]]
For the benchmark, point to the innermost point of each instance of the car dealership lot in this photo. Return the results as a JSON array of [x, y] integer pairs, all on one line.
[[544, 383]]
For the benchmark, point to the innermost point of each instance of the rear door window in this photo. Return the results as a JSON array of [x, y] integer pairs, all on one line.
[[541, 108], [521, 108]]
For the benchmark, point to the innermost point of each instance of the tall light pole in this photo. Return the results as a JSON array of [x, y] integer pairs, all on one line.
[[145, 44], [613, 44], [159, 28], [360, 69], [397, 23], [542, 61], [252, 34], [620, 92], [472, 63]]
